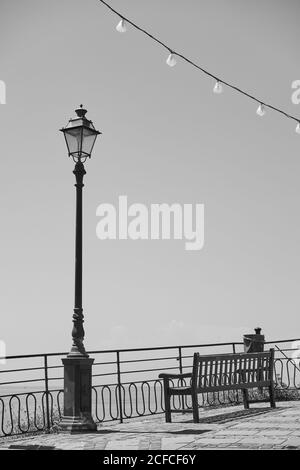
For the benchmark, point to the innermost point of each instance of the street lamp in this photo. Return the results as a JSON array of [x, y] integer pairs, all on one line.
[[80, 135]]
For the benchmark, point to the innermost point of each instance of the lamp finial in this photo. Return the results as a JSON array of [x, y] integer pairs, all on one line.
[[81, 112]]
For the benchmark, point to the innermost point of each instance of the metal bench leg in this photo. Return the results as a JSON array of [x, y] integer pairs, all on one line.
[[272, 396], [245, 398], [195, 407], [167, 401]]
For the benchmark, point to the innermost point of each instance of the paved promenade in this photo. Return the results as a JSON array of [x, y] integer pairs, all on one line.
[[222, 428]]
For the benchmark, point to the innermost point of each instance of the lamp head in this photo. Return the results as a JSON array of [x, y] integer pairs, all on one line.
[[80, 136]]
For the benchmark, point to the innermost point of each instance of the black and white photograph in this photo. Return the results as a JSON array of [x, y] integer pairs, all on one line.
[[150, 228]]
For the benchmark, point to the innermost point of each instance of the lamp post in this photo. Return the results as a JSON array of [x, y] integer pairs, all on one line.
[[80, 136]]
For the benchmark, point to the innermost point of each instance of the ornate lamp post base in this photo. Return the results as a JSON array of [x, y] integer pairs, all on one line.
[[77, 415]]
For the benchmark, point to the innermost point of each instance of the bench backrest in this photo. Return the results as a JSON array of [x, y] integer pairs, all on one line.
[[225, 371]]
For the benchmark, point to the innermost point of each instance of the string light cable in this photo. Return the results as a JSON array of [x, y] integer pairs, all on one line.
[[219, 83]]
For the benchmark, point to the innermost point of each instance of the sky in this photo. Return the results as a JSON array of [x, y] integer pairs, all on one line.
[[167, 138]]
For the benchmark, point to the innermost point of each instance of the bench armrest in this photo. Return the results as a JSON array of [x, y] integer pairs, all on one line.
[[175, 376]]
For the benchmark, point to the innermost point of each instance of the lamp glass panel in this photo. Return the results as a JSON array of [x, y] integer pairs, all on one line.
[[88, 140], [74, 139]]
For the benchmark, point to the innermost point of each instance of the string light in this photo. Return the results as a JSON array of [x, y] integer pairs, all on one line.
[[218, 88], [297, 130], [261, 109], [121, 26], [171, 60]]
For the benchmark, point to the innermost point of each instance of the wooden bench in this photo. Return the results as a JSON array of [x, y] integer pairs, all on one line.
[[219, 373]]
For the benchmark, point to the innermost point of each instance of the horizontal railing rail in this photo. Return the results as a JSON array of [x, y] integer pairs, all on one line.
[[125, 383]]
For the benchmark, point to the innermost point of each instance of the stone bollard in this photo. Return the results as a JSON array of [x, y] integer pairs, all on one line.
[[254, 343]]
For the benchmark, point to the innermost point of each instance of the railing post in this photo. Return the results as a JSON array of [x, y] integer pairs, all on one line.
[[48, 424], [233, 348], [180, 359], [119, 386]]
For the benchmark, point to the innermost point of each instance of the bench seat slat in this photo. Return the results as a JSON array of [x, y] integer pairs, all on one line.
[[215, 388], [233, 387]]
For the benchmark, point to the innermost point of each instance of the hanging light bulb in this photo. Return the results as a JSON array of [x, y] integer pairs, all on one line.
[[121, 26], [218, 88], [261, 110], [171, 60], [298, 128]]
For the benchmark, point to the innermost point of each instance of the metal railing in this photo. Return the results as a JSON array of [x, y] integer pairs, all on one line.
[[125, 384]]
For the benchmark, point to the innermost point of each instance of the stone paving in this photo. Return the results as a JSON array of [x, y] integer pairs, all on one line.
[[223, 428]]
